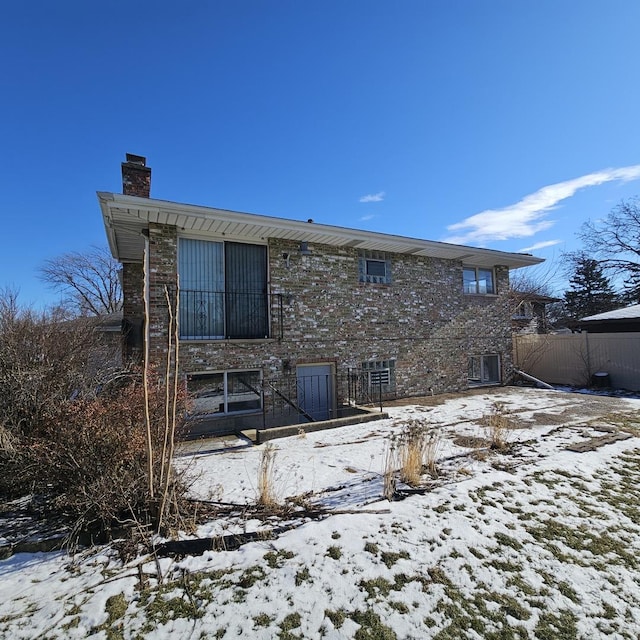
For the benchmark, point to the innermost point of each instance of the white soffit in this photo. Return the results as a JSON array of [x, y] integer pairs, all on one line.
[[125, 217]]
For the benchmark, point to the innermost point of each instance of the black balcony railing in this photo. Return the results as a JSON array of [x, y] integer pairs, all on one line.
[[218, 315]]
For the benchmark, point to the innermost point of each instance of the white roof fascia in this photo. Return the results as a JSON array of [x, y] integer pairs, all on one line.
[[126, 216]]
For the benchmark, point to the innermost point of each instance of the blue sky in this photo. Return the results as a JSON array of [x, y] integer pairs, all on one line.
[[495, 123]]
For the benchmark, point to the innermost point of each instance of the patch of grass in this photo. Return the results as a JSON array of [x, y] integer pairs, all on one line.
[[302, 576], [600, 543], [371, 627], [275, 559], [163, 609], [438, 576], [390, 557], [505, 565], [509, 606], [334, 552], [291, 621], [250, 576], [556, 627], [507, 541], [568, 592], [263, 620], [519, 583], [375, 586], [400, 607], [116, 607], [337, 617], [371, 547]]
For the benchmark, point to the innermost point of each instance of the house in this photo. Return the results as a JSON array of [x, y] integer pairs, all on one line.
[[617, 321], [529, 314], [285, 320]]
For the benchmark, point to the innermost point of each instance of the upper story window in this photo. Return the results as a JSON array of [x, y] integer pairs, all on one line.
[[477, 280], [374, 267], [223, 290]]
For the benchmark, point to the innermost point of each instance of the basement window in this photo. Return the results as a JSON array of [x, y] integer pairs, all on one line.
[[224, 392], [484, 369], [380, 375], [374, 267]]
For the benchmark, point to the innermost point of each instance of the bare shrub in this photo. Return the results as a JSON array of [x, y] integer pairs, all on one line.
[[90, 461], [498, 426], [77, 439], [45, 359], [266, 477]]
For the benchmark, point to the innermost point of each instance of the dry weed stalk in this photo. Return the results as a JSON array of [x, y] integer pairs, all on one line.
[[498, 426], [266, 477], [431, 451], [389, 474]]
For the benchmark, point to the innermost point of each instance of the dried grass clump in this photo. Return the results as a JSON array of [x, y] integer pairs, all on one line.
[[418, 448], [432, 449], [266, 477], [411, 451], [409, 454], [498, 426]]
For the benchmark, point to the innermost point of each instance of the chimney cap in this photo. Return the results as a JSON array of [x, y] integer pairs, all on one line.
[[134, 159]]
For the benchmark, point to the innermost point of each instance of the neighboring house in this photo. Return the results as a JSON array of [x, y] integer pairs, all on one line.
[[529, 315], [618, 321], [282, 315]]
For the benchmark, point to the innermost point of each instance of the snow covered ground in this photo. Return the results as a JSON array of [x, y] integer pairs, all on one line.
[[535, 541]]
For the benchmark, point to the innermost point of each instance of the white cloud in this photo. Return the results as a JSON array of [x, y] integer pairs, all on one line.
[[540, 245], [371, 216], [527, 217], [373, 197]]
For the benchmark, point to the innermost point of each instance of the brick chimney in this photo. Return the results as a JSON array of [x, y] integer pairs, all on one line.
[[136, 177]]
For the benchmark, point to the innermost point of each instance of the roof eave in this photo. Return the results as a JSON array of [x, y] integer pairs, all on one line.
[[191, 218]]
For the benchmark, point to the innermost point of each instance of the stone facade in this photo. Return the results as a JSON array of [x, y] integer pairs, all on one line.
[[322, 313]]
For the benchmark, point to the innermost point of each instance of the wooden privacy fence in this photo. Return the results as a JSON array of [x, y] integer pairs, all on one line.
[[572, 359]]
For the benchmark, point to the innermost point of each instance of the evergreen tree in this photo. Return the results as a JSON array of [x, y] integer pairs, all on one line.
[[591, 291]]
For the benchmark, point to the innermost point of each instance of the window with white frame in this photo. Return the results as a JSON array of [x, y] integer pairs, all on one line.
[[478, 280], [484, 369], [224, 392], [374, 267]]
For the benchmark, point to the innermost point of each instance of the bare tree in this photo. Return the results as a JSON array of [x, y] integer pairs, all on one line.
[[533, 281], [89, 279], [615, 243]]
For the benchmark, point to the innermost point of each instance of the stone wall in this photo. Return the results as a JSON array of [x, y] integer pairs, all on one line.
[[322, 313]]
